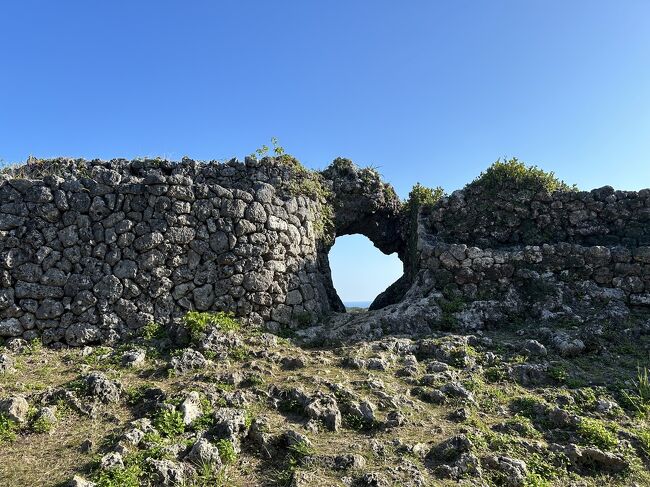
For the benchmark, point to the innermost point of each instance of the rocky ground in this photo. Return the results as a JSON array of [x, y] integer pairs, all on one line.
[[234, 407]]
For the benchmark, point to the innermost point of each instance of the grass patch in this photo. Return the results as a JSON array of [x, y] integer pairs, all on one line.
[[153, 331], [198, 323], [8, 429], [120, 477], [595, 432], [169, 422], [227, 451]]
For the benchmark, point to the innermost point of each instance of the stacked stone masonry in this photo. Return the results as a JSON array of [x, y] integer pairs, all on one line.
[[95, 251], [93, 258], [483, 244]]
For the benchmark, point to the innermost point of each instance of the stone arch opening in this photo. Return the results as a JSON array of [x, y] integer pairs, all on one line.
[[363, 204], [360, 272]]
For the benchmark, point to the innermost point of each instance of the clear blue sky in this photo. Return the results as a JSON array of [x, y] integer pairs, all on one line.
[[429, 91]]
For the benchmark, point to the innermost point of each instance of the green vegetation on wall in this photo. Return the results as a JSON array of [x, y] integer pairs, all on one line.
[[515, 174]]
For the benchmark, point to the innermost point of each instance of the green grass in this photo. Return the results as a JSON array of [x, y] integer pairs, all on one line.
[[227, 451], [42, 425], [120, 477], [169, 423], [8, 429], [301, 449], [153, 331], [239, 353], [198, 323], [595, 432], [639, 398], [644, 440]]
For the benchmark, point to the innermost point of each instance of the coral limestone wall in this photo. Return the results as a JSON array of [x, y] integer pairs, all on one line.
[[96, 250], [549, 254]]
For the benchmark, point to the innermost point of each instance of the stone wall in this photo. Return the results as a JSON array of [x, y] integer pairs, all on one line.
[[519, 254], [474, 216], [103, 248], [93, 251]]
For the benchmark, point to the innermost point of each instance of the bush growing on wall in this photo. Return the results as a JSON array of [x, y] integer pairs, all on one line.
[[514, 174]]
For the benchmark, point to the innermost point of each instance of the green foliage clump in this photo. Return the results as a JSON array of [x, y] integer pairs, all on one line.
[[239, 353], [595, 432], [169, 422], [227, 451], [135, 394], [514, 174], [495, 374], [448, 321], [198, 322], [120, 477], [528, 406], [254, 380], [536, 480], [301, 449], [558, 373], [206, 420], [153, 331], [639, 397], [522, 425], [42, 425], [422, 196], [8, 429], [644, 440]]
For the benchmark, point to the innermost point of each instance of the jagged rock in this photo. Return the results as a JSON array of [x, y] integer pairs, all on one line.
[[78, 481], [15, 408], [436, 367], [395, 419], [219, 343], [203, 452], [433, 396], [133, 437], [453, 458], [229, 423], [16, 345], [111, 460], [6, 363], [377, 363], [188, 360], [567, 346], [10, 328], [349, 461], [292, 437], [529, 374], [455, 389], [292, 363], [372, 479], [134, 358], [591, 457], [325, 408], [82, 334], [533, 347], [47, 415], [166, 473], [102, 389], [191, 408], [514, 471], [363, 411], [259, 434]]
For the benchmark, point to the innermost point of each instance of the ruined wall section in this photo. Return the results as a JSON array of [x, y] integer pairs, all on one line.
[[566, 254], [103, 248], [604, 216]]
